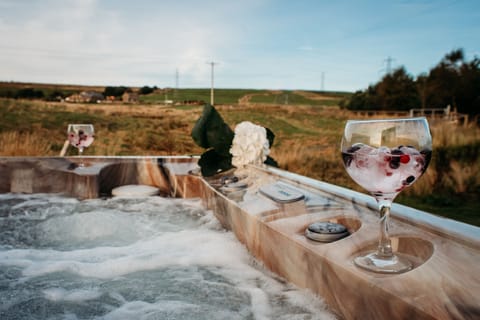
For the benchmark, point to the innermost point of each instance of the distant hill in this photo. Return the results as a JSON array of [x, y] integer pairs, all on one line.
[[50, 86], [184, 95]]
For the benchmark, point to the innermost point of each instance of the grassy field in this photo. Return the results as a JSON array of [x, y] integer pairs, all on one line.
[[223, 96], [307, 139]]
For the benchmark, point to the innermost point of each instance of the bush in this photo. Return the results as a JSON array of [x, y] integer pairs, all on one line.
[[115, 91], [146, 90], [29, 93]]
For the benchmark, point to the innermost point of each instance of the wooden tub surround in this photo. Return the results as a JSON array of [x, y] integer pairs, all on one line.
[[445, 280]]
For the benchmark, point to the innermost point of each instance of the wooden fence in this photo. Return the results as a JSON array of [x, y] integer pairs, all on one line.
[[443, 114]]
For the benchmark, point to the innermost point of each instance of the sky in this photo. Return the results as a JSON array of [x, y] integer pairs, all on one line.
[[254, 44]]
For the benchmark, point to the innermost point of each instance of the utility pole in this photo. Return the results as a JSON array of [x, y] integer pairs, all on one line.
[[389, 61], [212, 64], [323, 81], [176, 84]]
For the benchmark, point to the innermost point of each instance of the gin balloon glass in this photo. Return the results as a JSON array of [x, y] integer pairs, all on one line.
[[80, 136], [385, 157]]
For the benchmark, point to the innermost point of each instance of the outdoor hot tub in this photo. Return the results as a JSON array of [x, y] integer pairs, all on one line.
[[443, 284]]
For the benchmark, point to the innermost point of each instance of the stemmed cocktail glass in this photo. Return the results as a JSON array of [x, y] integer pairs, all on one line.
[[80, 136], [385, 157]]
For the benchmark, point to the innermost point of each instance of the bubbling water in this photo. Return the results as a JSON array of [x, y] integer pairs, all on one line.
[[151, 258]]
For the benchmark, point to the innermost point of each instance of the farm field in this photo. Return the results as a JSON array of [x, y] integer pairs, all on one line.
[[307, 126]]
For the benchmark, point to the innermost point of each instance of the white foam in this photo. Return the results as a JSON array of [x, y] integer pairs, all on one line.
[[187, 247], [59, 294], [152, 244]]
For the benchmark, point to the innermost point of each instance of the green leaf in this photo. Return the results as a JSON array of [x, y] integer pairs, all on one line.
[[210, 130], [270, 136], [271, 162], [199, 131], [220, 137], [212, 163]]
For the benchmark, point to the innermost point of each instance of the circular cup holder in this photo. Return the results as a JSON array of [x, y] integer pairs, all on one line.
[[417, 250], [352, 224]]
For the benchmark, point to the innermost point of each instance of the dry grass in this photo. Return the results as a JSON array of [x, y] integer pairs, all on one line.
[[307, 138], [451, 134], [24, 144], [463, 177]]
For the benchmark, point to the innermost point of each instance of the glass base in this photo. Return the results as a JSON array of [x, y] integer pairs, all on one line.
[[376, 263]]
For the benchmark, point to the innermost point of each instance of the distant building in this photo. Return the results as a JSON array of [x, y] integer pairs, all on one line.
[[86, 97], [130, 97]]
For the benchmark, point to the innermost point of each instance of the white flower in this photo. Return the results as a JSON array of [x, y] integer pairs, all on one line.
[[250, 144]]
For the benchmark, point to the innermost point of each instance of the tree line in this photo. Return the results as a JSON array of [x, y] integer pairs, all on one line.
[[57, 94], [453, 81], [120, 90]]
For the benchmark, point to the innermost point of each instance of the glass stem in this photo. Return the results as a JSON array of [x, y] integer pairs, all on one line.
[[80, 153], [384, 244]]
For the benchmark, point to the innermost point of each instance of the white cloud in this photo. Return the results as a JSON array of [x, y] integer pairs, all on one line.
[[258, 43], [85, 41]]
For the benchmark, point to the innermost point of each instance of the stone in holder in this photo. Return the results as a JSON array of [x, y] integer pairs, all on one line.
[[326, 231]]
